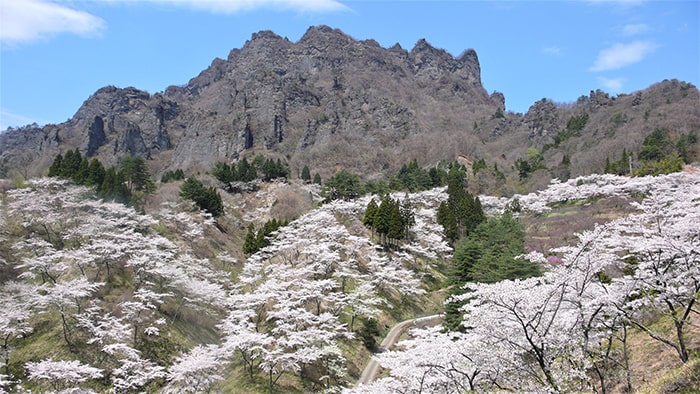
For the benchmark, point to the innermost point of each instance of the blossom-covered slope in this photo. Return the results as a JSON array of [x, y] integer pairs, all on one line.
[[568, 330], [100, 297]]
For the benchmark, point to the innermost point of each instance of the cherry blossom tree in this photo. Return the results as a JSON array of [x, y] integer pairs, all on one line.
[[73, 247], [61, 374], [556, 332], [196, 371], [67, 299], [662, 246], [134, 373], [18, 305]]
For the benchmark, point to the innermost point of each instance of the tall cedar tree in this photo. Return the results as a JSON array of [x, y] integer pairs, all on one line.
[[370, 213], [306, 174], [462, 212], [250, 244], [488, 255], [391, 219]]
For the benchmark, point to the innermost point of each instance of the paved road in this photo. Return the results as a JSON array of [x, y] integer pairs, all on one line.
[[372, 369]]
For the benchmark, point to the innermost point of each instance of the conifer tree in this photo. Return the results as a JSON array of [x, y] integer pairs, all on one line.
[[408, 218], [250, 245], [135, 173], [382, 219], [306, 174], [106, 188], [96, 173], [343, 185], [81, 175], [269, 170], [488, 255], [462, 212], [396, 226], [57, 166], [246, 172], [224, 172], [370, 214], [71, 163], [447, 219], [205, 198]]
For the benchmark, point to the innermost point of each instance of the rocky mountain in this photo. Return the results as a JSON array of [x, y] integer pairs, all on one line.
[[330, 101]]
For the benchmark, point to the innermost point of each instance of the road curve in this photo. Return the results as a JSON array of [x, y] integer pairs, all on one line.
[[372, 368]]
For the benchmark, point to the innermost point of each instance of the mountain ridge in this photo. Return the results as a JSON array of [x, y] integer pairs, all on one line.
[[330, 101]]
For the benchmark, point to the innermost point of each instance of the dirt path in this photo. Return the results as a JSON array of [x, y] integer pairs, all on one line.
[[372, 368]]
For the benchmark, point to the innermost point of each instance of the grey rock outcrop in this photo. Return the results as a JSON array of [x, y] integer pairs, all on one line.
[[329, 101]]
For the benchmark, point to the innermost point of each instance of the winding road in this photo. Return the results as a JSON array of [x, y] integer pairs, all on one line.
[[372, 369]]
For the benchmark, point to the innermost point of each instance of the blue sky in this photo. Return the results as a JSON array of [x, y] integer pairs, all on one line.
[[55, 54]]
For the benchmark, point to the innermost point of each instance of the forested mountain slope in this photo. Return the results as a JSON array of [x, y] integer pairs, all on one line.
[[101, 297]]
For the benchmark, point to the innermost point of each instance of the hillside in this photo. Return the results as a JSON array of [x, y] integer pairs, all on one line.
[[329, 101], [176, 242], [100, 296]]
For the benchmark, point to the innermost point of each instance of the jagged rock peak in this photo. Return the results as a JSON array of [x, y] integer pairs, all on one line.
[[261, 44], [266, 35], [424, 46], [128, 91], [468, 56], [324, 33]]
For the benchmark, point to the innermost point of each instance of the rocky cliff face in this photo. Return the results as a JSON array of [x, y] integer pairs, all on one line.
[[326, 101]]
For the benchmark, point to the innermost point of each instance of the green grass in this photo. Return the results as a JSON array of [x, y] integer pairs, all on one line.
[[684, 379]]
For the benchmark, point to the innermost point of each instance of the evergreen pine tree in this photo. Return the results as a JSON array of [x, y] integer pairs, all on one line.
[[306, 174], [212, 202], [408, 218], [317, 178], [70, 164], [96, 173], [269, 170], [396, 227], [121, 192], [136, 175], [106, 188], [282, 170], [370, 214], [81, 175], [261, 240], [382, 220], [250, 245], [224, 172], [446, 218], [56, 166]]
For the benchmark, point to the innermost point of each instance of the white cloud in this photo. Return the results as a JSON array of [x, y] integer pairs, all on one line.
[[11, 119], [551, 50], [635, 29], [32, 20], [622, 55], [25, 21], [613, 85], [234, 6]]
